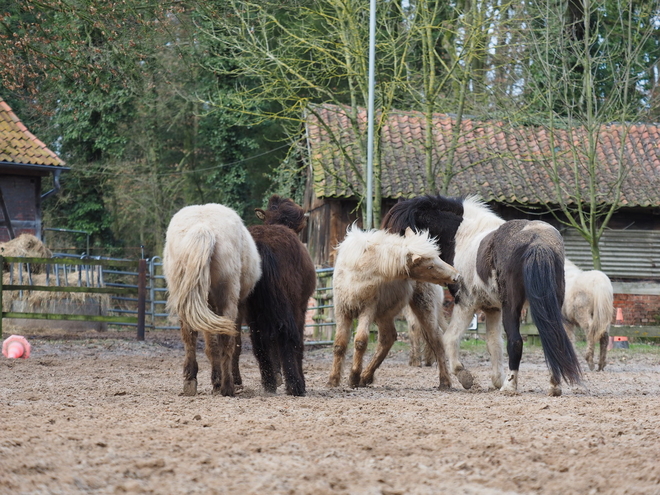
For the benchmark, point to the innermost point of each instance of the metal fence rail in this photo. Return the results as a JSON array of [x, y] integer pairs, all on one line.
[[24, 271], [137, 290]]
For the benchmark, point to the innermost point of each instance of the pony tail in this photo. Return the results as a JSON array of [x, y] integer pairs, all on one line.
[[269, 308], [188, 273], [543, 269], [603, 306]]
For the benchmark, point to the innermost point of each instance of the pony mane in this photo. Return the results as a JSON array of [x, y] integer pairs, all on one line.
[[284, 211], [415, 212], [385, 252], [478, 217]]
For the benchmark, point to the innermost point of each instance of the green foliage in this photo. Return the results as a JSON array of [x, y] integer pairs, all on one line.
[[158, 104]]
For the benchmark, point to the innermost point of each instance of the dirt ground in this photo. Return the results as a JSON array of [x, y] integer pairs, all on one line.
[[106, 415]]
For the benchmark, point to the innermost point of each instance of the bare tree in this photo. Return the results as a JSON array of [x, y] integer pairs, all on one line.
[[586, 71], [307, 54]]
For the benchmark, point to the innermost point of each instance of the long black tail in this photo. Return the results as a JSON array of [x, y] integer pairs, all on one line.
[[274, 329], [268, 306], [543, 272]]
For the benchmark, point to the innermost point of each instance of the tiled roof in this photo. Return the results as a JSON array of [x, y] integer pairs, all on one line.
[[18, 145], [496, 160]]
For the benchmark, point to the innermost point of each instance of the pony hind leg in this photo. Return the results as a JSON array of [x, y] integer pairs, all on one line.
[[342, 336], [514, 346], [415, 357], [589, 354], [426, 313], [602, 358], [220, 352], [262, 346], [291, 353], [460, 320], [238, 347], [361, 343], [190, 367], [495, 346], [386, 338]]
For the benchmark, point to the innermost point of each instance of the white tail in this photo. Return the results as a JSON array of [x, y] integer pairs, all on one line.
[[188, 273], [603, 301]]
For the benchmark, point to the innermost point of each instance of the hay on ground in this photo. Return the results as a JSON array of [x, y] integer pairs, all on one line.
[[39, 299]]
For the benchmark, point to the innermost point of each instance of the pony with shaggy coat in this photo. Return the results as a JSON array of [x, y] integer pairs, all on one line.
[[211, 264], [503, 264], [277, 306], [374, 278], [589, 304]]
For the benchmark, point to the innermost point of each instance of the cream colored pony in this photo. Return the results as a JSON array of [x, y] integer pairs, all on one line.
[[211, 264], [374, 278], [589, 304]]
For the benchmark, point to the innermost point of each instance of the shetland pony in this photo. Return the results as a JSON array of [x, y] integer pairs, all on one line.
[[211, 264], [276, 307], [374, 278], [502, 264], [589, 304]]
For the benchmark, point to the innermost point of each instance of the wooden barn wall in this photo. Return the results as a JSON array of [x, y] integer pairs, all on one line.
[[630, 247], [326, 227], [22, 196]]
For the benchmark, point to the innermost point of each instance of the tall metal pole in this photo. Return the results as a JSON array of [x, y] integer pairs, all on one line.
[[370, 114]]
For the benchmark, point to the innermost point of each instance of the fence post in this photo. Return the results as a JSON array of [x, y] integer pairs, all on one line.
[[142, 297]]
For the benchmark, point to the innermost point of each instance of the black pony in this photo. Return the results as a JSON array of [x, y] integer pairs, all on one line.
[[275, 310], [502, 264]]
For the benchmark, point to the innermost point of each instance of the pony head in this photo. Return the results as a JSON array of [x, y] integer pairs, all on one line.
[[423, 261], [283, 211]]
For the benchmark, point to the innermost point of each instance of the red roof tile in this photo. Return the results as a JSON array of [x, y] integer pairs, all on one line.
[[497, 161], [18, 145]]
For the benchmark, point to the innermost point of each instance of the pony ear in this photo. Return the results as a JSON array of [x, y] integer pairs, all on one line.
[[261, 215], [409, 232], [415, 258]]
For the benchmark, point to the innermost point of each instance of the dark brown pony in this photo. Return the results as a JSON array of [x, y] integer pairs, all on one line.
[[276, 307]]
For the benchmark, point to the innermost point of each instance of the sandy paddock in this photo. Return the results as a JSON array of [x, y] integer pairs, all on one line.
[[106, 416]]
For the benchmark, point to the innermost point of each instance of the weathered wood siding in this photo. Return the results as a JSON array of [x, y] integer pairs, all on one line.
[[22, 196]]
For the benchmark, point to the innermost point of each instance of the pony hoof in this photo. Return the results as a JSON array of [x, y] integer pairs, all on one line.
[[332, 382], [296, 392], [591, 366], [366, 381], [444, 385], [354, 380], [224, 391], [466, 379], [554, 392], [190, 388]]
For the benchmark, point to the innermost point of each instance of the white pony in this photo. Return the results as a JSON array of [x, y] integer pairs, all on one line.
[[589, 304], [211, 264], [374, 278]]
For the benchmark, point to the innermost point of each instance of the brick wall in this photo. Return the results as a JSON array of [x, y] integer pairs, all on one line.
[[638, 309]]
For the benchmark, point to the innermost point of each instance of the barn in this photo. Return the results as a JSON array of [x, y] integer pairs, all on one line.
[[24, 162], [507, 166]]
